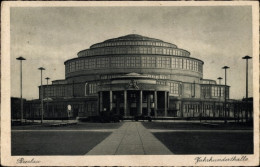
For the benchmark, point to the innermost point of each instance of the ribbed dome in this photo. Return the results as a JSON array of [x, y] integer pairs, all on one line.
[[133, 44], [131, 38]]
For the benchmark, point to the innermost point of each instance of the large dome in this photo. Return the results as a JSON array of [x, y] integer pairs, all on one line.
[[133, 44], [133, 37]]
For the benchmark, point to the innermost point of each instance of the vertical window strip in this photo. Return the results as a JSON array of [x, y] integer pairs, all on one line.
[[159, 61], [180, 63], [174, 88], [167, 62], [184, 63]]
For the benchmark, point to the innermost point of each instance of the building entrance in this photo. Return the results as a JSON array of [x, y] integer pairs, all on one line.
[[131, 103]]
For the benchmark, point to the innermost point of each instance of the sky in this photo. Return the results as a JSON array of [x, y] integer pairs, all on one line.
[[48, 36]]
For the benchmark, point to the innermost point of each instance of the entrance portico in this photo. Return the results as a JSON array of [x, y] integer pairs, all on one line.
[[130, 103], [134, 95]]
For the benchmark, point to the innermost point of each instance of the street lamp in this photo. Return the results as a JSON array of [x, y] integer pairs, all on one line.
[[225, 108], [219, 79], [47, 78], [246, 58], [41, 68], [21, 84]]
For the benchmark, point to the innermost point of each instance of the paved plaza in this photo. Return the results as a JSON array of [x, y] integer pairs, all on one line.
[[132, 138]]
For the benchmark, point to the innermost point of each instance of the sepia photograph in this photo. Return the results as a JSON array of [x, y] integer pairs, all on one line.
[[127, 83]]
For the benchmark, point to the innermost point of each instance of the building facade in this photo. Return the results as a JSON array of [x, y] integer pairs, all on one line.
[[131, 76]]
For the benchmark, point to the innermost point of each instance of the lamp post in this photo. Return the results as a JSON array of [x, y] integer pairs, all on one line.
[[21, 84], [219, 80], [47, 78], [225, 107], [41, 68], [246, 58]]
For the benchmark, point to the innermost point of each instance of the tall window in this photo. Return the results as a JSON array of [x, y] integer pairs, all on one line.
[[175, 63], [60, 91], [164, 51], [86, 66], [141, 50], [76, 65], [227, 92], [221, 91], [72, 67], [163, 62], [49, 91], [148, 61], [195, 65], [159, 51], [90, 88], [205, 90], [193, 90], [184, 63], [92, 63], [102, 62], [86, 89], [171, 51], [117, 62], [174, 88], [80, 64], [188, 64], [180, 63], [216, 91], [133, 61], [67, 68], [200, 68]]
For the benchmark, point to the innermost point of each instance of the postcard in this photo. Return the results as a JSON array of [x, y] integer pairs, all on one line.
[[130, 83]]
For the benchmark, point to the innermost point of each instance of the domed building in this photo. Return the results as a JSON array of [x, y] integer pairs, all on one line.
[[131, 76]]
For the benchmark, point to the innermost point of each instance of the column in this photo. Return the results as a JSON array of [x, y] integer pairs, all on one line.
[[53, 114], [210, 110], [193, 109], [117, 104], [101, 101], [165, 104], [219, 109], [203, 109], [148, 104], [125, 102], [141, 102], [188, 110], [110, 100], [229, 109], [251, 111], [214, 110], [168, 97], [98, 103], [181, 109], [242, 109], [155, 103]]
